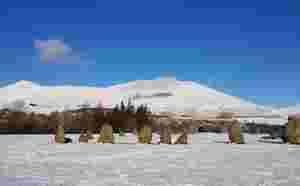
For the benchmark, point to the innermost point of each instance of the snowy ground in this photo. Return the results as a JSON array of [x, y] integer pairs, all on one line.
[[207, 161]]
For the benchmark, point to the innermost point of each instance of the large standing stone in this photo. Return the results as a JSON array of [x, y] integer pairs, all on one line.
[[60, 134], [165, 135], [145, 135], [235, 133], [183, 139], [106, 134], [293, 130]]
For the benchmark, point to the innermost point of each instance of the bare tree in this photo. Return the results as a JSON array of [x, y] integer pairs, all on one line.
[[225, 115]]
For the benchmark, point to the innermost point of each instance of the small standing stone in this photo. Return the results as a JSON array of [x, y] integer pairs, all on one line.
[[235, 133], [89, 135], [60, 134], [183, 139], [293, 130], [106, 134], [145, 135], [83, 138], [135, 132], [165, 135]]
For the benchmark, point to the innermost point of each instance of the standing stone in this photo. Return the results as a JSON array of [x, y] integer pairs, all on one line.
[[165, 135], [230, 135], [135, 132], [145, 135], [293, 130], [60, 134], [183, 139], [290, 130], [83, 138], [106, 134], [235, 133], [89, 135]]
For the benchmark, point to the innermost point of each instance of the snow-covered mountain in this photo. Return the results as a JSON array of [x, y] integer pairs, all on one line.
[[162, 95]]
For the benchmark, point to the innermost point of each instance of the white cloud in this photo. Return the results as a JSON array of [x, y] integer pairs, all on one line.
[[54, 51]]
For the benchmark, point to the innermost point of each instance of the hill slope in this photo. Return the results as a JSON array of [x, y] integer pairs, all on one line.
[[162, 95]]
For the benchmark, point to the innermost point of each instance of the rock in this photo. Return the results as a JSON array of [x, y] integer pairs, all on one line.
[[60, 134], [68, 140], [106, 134], [83, 138], [121, 133], [293, 130], [235, 133], [165, 135], [183, 139], [89, 135], [145, 135], [135, 132]]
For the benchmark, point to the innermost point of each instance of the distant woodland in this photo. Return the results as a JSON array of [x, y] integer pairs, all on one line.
[[121, 117]]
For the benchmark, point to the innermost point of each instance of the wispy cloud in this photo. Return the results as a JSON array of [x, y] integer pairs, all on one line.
[[55, 51]]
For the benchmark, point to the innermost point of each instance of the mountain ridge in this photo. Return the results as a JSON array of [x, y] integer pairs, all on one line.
[[185, 92], [162, 95]]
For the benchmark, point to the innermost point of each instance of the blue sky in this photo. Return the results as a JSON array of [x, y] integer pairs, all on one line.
[[249, 49]]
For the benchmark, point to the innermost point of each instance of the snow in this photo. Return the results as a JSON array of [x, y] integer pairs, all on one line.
[[260, 120], [206, 161], [186, 97], [292, 110]]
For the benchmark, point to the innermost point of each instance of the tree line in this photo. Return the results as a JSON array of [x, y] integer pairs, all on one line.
[[123, 117]]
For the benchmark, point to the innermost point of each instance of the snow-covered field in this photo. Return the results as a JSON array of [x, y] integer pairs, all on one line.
[[207, 161]]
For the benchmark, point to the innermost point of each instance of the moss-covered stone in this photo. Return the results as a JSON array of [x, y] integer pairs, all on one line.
[[145, 135], [235, 133], [106, 134], [293, 130], [60, 134]]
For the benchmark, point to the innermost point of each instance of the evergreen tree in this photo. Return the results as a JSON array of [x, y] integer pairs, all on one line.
[[129, 115], [122, 107], [130, 108], [116, 108]]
